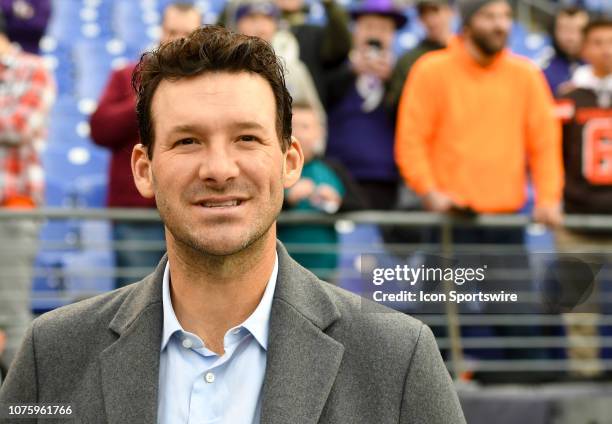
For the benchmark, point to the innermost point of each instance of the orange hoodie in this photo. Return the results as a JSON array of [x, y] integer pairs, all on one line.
[[470, 131]]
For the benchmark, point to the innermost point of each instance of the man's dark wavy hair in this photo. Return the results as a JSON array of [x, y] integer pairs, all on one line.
[[209, 49], [597, 22]]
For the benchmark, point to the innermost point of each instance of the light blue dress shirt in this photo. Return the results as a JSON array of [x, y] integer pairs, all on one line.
[[197, 386]]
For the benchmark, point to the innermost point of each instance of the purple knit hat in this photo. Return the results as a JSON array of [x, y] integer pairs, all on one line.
[[380, 7], [261, 7]]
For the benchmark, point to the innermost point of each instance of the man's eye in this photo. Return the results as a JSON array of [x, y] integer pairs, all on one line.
[[248, 138], [185, 141]]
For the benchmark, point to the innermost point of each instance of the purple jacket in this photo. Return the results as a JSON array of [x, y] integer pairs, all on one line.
[[560, 70], [26, 31]]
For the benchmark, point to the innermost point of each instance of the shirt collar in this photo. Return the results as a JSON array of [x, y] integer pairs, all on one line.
[[584, 77], [257, 323], [171, 323]]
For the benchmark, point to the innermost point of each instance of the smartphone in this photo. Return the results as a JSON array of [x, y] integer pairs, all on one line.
[[374, 44], [375, 47]]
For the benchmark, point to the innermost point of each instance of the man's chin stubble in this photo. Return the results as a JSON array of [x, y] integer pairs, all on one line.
[[211, 252]]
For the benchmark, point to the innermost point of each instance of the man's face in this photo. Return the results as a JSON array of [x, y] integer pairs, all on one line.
[[373, 27], [307, 128], [568, 33], [257, 25], [490, 26], [290, 5], [178, 23], [436, 20], [217, 170], [598, 50]]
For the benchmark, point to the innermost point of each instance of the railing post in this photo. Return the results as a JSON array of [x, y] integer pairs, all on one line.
[[452, 313]]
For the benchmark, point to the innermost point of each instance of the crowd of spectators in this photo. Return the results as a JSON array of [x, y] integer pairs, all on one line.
[[459, 121]]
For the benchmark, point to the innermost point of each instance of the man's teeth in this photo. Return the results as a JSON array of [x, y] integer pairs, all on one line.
[[221, 204]]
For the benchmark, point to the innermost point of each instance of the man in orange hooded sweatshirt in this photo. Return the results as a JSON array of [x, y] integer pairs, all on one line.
[[473, 118]]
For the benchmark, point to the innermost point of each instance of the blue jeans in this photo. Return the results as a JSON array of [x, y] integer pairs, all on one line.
[[140, 246]]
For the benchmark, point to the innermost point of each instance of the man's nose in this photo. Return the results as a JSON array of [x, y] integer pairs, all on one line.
[[218, 165], [503, 24]]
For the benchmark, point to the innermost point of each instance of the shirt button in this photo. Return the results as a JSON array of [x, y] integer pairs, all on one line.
[[209, 377], [187, 344]]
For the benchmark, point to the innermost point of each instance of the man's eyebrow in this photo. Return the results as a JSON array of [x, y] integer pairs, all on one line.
[[240, 125], [248, 125], [185, 128]]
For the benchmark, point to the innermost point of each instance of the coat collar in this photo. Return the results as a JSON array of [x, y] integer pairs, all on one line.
[[130, 366], [302, 361]]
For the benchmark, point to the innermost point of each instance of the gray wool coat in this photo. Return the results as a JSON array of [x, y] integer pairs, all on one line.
[[328, 361]]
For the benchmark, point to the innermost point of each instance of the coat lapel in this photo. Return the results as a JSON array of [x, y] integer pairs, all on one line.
[[302, 361], [130, 366]]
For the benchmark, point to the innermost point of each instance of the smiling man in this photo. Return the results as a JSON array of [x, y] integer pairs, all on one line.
[[228, 329]]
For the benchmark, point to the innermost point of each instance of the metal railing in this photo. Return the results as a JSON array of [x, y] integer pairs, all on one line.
[[399, 218], [453, 320]]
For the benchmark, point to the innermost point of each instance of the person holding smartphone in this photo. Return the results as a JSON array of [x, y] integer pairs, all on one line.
[[361, 137]]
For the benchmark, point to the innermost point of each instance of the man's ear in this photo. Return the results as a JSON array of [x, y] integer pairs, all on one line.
[[2, 341], [141, 170], [294, 162]]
